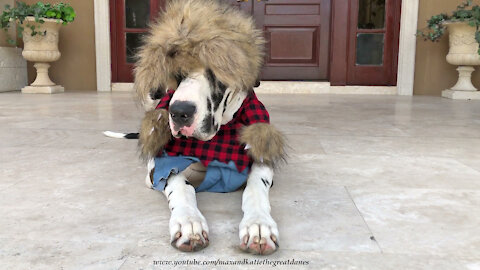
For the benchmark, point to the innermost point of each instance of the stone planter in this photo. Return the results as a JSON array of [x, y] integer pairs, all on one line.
[[463, 53], [42, 49]]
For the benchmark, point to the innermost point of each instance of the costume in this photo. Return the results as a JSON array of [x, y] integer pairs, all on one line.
[[225, 158]]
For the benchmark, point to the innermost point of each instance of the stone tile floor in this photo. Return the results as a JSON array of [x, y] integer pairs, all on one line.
[[373, 182]]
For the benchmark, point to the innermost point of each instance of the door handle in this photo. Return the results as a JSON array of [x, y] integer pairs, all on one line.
[[239, 1]]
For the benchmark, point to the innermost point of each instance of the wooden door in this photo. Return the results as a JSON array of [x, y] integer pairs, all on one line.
[[373, 42], [244, 5], [298, 36], [129, 22]]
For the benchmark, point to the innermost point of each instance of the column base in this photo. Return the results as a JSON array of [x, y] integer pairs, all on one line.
[[459, 94], [43, 89]]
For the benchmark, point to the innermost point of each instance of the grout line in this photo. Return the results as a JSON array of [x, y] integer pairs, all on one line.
[[120, 267], [372, 237], [465, 164]]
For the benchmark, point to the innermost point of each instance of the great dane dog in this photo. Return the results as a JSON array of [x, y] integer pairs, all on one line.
[[204, 129]]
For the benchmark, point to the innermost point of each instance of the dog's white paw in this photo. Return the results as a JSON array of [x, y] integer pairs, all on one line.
[[258, 234], [150, 170], [188, 229]]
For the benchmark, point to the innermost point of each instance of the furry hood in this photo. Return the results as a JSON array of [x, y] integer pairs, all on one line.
[[194, 35]]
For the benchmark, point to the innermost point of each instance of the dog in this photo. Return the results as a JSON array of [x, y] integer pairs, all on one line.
[[204, 129]]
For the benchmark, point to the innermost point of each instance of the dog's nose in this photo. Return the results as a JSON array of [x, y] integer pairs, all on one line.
[[182, 112]]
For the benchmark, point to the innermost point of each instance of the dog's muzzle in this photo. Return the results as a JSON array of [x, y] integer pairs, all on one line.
[[182, 115]]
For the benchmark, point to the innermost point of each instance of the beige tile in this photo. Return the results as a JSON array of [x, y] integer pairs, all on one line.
[[380, 171], [72, 198], [465, 148], [422, 221]]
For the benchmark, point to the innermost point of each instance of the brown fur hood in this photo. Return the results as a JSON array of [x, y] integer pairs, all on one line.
[[199, 34]]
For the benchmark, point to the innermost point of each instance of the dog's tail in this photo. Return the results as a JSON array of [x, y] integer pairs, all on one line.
[[119, 135]]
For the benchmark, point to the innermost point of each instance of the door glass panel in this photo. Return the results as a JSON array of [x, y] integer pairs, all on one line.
[[370, 49], [133, 40], [371, 14], [137, 13]]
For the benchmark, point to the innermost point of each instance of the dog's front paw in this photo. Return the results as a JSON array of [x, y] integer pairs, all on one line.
[[259, 234], [188, 230]]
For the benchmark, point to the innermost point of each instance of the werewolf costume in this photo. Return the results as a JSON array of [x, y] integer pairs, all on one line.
[[194, 35]]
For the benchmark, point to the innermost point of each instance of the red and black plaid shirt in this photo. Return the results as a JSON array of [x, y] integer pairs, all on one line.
[[224, 147]]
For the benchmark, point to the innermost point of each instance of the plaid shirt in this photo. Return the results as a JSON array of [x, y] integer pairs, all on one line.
[[224, 147]]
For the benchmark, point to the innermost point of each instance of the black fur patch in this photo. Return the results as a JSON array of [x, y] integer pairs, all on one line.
[[157, 94], [225, 103], [209, 105], [179, 78], [218, 89], [211, 77], [188, 183], [221, 86], [265, 182], [131, 136], [207, 123]]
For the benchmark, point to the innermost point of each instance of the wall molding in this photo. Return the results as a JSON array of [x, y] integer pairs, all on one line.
[[102, 45], [407, 47]]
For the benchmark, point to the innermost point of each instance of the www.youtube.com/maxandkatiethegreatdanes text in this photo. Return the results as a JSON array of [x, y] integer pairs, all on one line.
[[219, 262]]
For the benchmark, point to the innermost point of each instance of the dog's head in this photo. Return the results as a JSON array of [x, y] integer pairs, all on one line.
[[201, 104], [210, 52]]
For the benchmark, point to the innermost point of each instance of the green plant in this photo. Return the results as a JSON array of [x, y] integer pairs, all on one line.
[[62, 12], [465, 12]]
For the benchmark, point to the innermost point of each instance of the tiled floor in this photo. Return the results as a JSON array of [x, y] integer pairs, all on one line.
[[373, 182]]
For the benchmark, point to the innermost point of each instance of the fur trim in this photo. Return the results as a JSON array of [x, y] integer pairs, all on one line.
[[266, 143], [193, 35], [154, 133]]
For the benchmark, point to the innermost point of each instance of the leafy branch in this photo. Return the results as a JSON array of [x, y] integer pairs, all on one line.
[[465, 12], [62, 12]]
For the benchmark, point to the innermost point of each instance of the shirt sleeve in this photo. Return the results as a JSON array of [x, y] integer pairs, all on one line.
[[165, 100], [254, 111]]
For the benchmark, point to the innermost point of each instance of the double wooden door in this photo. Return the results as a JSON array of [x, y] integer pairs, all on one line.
[[297, 33]]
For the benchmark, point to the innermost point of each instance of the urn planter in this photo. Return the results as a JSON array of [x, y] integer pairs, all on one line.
[[463, 53], [42, 49]]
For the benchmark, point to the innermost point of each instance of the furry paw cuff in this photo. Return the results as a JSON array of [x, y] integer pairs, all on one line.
[[265, 143], [154, 133]]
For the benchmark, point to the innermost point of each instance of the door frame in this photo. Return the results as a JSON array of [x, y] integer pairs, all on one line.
[[406, 51]]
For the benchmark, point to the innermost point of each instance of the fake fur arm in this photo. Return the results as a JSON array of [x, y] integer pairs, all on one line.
[[154, 133], [264, 143]]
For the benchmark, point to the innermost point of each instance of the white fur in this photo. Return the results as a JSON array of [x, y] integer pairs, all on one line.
[[185, 216], [233, 104], [257, 221], [112, 134], [150, 167], [195, 89]]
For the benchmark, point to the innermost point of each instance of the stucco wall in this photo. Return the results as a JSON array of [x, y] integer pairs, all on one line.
[[432, 72], [76, 68]]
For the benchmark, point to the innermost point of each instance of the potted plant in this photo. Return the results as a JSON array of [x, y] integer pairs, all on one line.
[[38, 25], [464, 38]]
